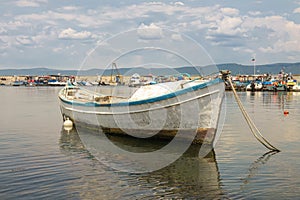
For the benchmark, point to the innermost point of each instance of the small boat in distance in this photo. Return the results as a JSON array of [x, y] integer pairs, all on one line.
[[56, 83], [187, 109], [258, 86], [17, 83], [135, 80]]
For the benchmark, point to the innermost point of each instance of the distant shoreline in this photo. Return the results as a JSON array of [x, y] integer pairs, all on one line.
[[9, 80], [274, 68]]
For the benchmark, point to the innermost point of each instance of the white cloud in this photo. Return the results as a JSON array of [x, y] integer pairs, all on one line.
[[176, 37], [14, 25], [24, 40], [254, 13], [243, 49], [25, 3], [58, 49], [283, 34], [3, 44], [230, 11], [297, 10], [236, 27], [53, 18], [197, 24], [148, 8], [266, 49], [151, 32], [155, 3], [2, 30], [7, 41], [73, 34], [70, 8], [30, 3], [179, 3], [282, 46], [228, 26]]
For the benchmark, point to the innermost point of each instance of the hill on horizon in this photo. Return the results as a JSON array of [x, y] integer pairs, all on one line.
[[235, 69]]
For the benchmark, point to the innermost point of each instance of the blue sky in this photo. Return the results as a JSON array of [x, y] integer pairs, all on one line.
[[60, 34]]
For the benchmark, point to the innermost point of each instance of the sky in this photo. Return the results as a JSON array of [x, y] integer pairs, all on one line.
[[93, 33]]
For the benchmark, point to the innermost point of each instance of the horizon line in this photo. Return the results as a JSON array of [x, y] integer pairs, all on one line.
[[44, 67]]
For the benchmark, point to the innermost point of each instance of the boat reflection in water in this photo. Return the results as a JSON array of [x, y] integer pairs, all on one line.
[[188, 177]]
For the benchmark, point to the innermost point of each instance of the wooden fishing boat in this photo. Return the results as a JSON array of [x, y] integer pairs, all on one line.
[[185, 109]]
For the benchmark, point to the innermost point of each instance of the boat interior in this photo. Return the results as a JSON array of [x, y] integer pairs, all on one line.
[[74, 93]]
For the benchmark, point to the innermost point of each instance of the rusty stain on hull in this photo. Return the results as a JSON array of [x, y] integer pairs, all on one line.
[[203, 135]]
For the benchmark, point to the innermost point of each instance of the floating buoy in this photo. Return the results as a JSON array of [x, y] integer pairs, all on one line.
[[286, 112], [68, 124]]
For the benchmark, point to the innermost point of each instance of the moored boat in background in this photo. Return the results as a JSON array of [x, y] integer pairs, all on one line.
[[56, 83], [258, 86], [18, 83]]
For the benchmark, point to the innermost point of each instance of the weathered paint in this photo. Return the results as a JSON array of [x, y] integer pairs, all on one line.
[[191, 115]]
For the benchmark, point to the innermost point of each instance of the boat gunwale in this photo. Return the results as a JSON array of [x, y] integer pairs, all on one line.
[[143, 101], [144, 110]]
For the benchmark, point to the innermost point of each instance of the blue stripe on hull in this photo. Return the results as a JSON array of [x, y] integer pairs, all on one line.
[[145, 101]]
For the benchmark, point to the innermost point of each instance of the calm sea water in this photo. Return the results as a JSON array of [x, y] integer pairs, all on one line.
[[39, 160]]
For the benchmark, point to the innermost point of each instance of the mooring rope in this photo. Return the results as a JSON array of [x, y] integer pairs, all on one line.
[[250, 123]]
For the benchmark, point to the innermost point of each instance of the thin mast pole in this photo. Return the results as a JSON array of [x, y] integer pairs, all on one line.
[[253, 60], [254, 66]]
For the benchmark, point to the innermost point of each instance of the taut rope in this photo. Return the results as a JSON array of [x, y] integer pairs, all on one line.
[[250, 123]]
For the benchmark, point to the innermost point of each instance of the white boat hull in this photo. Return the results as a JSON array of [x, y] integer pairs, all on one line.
[[258, 86], [188, 115]]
